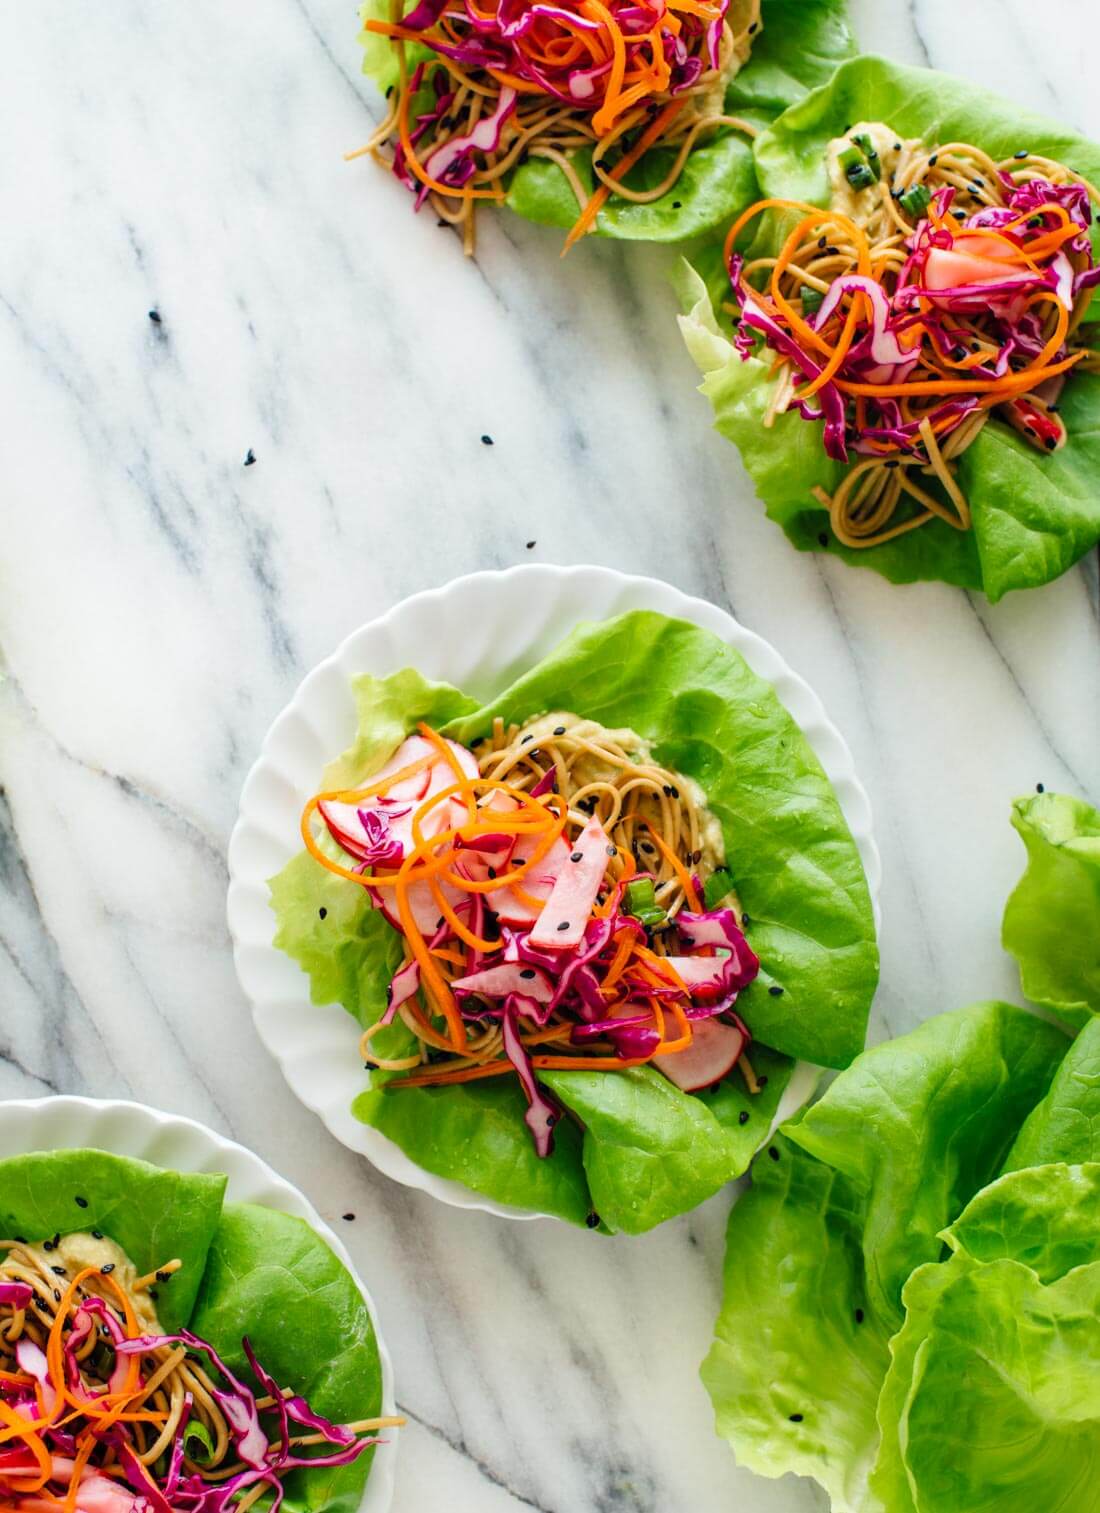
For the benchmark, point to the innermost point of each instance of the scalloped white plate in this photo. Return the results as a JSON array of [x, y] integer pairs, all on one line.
[[179, 1144], [479, 633]]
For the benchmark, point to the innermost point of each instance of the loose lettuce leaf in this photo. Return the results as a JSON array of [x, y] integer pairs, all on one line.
[[1065, 1126], [795, 1335], [1052, 919], [153, 1215], [1034, 516], [803, 41], [993, 1399], [857, 1194], [271, 1277], [474, 1133], [1046, 1217], [797, 867], [920, 1124]]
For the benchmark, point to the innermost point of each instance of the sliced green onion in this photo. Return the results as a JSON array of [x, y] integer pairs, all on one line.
[[640, 894], [867, 147], [850, 157], [860, 176], [916, 200], [812, 300], [197, 1442], [720, 884]]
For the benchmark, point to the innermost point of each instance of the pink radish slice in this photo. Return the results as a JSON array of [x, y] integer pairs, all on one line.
[[946, 269], [415, 749], [507, 977], [703, 976], [487, 854], [713, 1052], [538, 882], [345, 824], [565, 915], [422, 905], [404, 984]]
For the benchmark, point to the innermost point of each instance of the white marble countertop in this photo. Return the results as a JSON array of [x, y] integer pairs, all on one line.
[[159, 602]]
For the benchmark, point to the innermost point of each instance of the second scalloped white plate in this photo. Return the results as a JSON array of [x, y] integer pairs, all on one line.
[[479, 633], [179, 1144]]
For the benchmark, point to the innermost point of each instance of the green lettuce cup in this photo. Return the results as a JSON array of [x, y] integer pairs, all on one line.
[[1032, 513], [788, 47], [220, 1303], [632, 1149]]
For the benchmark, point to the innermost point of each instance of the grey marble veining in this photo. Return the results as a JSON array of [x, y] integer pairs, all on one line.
[[159, 601]]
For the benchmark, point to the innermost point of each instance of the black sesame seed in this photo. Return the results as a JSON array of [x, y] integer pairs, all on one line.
[[559, 730], [322, 912], [897, 146], [528, 973], [667, 790], [823, 539], [59, 1271], [42, 1305], [822, 242], [48, 1245], [696, 857], [154, 316], [1039, 788], [106, 1270], [612, 850], [775, 990], [578, 856], [646, 847], [249, 458], [493, 873], [348, 1218], [762, 1081], [526, 739], [164, 1276], [593, 1221], [564, 925], [20, 1239], [154, 1294], [389, 91], [745, 921], [441, 225], [486, 441], [439, 923], [796, 1418], [520, 861], [859, 1315], [892, 462], [677, 204], [531, 545], [933, 160], [753, 26], [97, 1234], [831, 251], [56, 1295], [773, 1153], [1050, 443], [743, 1116], [1021, 154]]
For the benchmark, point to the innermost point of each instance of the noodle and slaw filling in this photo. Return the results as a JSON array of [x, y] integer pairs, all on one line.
[[102, 1412], [519, 80], [938, 289], [564, 905]]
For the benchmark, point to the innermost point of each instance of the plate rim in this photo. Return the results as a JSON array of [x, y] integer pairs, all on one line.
[[829, 746], [378, 1492]]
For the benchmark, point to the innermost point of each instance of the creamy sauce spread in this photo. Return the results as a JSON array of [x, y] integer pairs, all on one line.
[[861, 205], [79, 1250]]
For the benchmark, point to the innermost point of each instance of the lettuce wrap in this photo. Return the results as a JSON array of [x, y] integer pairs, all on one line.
[[247, 1271], [801, 43], [1033, 514], [636, 1150]]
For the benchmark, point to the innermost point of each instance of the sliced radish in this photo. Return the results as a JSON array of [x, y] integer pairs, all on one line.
[[713, 1052], [415, 749], [946, 268], [565, 916], [703, 976], [538, 881], [508, 977], [370, 834], [422, 905]]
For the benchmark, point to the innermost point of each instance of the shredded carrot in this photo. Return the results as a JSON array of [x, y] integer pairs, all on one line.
[[599, 195], [683, 876]]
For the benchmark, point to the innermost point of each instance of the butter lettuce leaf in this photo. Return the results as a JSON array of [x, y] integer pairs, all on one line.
[[153, 1215], [1052, 919], [1065, 1126], [798, 1357], [923, 1122], [1033, 515], [271, 1277], [846, 1202]]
